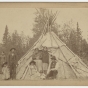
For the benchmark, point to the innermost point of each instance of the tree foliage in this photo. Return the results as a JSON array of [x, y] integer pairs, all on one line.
[[70, 35]]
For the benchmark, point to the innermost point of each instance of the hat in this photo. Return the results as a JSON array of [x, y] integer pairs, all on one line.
[[32, 62], [4, 64], [12, 49], [53, 58]]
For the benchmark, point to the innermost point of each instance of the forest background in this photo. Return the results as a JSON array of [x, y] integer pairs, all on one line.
[[70, 35]]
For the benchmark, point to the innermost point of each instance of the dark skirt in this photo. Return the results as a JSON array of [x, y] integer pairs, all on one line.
[[52, 74]]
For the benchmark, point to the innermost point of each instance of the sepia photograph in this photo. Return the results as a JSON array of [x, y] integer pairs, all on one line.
[[43, 44]]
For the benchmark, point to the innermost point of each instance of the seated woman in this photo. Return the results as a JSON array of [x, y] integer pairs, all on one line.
[[53, 68], [33, 73]]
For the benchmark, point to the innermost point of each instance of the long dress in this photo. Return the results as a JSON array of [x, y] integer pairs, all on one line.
[[33, 74], [38, 61], [2, 60], [6, 72], [37, 57]]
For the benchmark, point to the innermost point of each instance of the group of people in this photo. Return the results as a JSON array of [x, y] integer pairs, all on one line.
[[8, 65], [43, 65]]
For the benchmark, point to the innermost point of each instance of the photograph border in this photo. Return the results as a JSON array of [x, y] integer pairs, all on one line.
[[45, 82]]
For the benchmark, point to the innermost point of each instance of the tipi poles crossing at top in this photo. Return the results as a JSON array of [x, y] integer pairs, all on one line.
[[43, 33], [45, 27], [34, 44], [54, 17], [50, 19], [51, 37]]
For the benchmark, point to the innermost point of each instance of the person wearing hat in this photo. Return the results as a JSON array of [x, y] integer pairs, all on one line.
[[53, 68], [12, 62]]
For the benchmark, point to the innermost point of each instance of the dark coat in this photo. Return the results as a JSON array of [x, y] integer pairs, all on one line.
[[45, 57], [12, 62], [12, 59], [37, 55], [34, 56]]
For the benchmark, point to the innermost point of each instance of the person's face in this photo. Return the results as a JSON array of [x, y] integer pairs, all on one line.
[[13, 50], [36, 50], [41, 48], [2, 52], [5, 65], [45, 48], [32, 64], [52, 59]]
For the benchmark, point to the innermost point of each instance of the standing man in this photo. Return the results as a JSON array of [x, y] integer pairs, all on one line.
[[12, 61], [45, 59]]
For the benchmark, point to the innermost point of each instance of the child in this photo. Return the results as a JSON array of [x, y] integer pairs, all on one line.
[[5, 71]]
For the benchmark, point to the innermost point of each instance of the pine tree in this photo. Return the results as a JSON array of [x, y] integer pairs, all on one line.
[[5, 36], [79, 40], [72, 41]]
